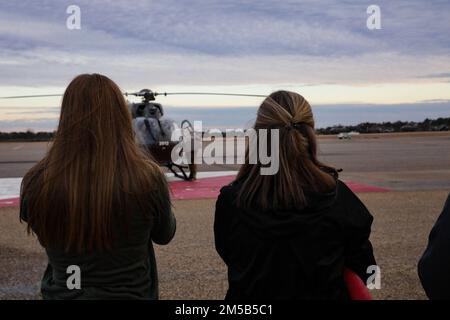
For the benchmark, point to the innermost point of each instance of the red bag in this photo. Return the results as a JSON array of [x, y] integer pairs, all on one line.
[[356, 287]]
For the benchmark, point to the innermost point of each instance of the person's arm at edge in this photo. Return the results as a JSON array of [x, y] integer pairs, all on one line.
[[220, 224], [359, 251], [434, 265], [165, 225]]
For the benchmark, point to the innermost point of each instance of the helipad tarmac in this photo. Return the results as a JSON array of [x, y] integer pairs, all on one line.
[[414, 168]]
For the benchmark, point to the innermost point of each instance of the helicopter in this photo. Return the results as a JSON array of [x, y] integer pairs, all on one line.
[[154, 130]]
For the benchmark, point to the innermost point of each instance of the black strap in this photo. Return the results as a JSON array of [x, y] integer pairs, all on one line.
[[160, 127], [149, 129]]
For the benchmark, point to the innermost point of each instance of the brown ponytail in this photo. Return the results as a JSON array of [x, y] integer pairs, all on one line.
[[299, 169]]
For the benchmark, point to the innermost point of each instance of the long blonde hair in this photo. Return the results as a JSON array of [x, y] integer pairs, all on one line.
[[93, 173], [299, 171]]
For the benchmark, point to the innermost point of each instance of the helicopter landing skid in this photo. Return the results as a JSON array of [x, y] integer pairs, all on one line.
[[179, 171]]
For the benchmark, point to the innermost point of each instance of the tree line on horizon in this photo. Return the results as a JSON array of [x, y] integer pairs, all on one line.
[[28, 135], [439, 124]]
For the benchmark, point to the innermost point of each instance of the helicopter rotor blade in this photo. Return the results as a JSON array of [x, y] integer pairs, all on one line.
[[155, 93], [209, 94], [126, 94], [32, 96]]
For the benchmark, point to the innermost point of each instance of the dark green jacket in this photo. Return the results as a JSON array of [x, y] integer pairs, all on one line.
[[128, 272]]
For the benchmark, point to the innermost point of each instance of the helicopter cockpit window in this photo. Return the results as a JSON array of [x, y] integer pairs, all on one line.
[[149, 110]]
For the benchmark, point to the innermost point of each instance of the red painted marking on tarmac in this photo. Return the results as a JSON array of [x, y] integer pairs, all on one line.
[[361, 187], [13, 202], [204, 188], [208, 188]]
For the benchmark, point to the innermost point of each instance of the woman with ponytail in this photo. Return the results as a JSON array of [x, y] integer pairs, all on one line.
[[289, 235]]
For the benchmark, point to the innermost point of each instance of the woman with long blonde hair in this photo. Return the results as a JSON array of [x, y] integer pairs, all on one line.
[[289, 235], [96, 201]]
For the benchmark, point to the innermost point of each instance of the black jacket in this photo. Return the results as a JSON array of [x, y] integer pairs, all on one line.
[[295, 254], [434, 266]]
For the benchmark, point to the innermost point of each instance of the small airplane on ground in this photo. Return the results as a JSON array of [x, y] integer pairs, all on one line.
[[347, 135]]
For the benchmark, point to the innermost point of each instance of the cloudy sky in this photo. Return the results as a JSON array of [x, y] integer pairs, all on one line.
[[320, 48]]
